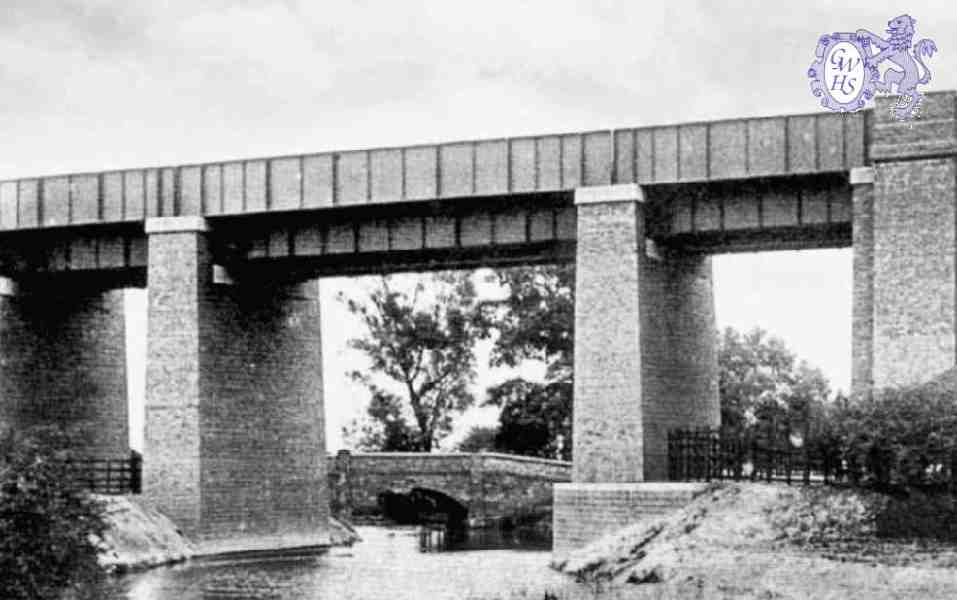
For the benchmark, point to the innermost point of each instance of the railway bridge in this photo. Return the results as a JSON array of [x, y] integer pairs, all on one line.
[[231, 253]]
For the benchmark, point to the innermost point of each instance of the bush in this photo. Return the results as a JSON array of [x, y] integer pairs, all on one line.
[[48, 522], [898, 439], [479, 439]]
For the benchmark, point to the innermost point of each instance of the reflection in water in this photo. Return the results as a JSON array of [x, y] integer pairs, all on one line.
[[445, 539], [394, 563]]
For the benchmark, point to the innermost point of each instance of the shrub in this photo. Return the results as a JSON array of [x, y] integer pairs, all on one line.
[[478, 439], [898, 439], [48, 523]]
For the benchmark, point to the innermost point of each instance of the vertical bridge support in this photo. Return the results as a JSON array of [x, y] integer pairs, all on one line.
[[862, 312], [912, 234], [63, 363], [645, 362], [235, 448]]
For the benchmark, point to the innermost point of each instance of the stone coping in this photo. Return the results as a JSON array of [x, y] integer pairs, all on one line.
[[240, 544], [861, 175], [621, 192], [458, 455], [639, 486], [175, 224]]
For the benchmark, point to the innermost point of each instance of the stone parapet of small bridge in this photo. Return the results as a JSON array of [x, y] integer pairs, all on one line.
[[491, 486]]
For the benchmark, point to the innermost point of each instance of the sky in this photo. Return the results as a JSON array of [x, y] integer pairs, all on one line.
[[96, 85]]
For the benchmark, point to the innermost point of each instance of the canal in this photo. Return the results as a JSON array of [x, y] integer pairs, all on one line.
[[393, 563]]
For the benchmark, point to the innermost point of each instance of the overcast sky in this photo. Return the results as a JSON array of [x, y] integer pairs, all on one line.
[[95, 85]]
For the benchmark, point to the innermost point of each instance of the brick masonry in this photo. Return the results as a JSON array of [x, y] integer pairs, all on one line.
[[63, 361], [914, 243], [645, 362], [862, 314], [490, 485], [679, 356], [586, 511], [645, 358], [235, 449], [608, 424]]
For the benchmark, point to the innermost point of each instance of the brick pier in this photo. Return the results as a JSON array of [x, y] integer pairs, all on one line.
[[235, 439], [63, 362], [645, 362]]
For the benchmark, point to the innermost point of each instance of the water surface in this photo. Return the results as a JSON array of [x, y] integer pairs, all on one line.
[[393, 563]]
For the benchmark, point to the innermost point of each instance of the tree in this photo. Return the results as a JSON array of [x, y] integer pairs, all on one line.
[[48, 522], [535, 322], [760, 379], [426, 348], [479, 439], [537, 319], [536, 418], [384, 428]]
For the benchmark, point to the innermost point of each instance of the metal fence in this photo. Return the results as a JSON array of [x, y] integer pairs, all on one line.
[[776, 453], [755, 455], [114, 476]]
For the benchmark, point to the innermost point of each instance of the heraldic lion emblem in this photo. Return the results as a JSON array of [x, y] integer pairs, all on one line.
[[900, 50]]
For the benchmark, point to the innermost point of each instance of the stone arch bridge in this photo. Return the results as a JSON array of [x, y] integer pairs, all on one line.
[[490, 486]]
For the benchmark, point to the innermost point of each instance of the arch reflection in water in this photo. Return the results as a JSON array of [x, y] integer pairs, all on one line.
[[460, 539]]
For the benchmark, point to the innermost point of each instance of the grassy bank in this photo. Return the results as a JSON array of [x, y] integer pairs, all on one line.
[[764, 541]]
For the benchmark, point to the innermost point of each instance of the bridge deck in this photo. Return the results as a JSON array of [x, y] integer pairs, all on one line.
[[693, 152]]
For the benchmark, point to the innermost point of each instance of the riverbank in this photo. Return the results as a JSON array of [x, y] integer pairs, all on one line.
[[139, 537], [765, 541]]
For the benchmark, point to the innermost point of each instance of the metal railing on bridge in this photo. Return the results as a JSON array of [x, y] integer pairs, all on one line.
[[112, 476]]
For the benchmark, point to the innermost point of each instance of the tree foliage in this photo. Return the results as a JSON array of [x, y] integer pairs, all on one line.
[[425, 347], [479, 439], [536, 418], [899, 437], [48, 523], [384, 427], [535, 322], [760, 379]]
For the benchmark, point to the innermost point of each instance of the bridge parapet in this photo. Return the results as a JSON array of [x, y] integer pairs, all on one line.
[[489, 485]]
